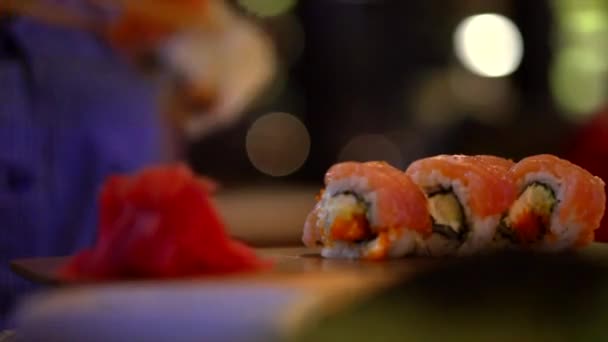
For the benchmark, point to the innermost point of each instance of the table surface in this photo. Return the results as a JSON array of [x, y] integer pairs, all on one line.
[[325, 286], [292, 265], [328, 284]]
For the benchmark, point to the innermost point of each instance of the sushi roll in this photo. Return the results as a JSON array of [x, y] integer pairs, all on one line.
[[367, 211], [467, 196], [559, 205]]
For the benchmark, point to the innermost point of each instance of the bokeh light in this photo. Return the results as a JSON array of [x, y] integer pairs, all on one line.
[[587, 21], [579, 70], [488, 45], [277, 144], [578, 82], [267, 8], [580, 17], [368, 147]]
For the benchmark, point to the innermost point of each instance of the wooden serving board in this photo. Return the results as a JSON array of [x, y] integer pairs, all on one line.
[[292, 266], [319, 286], [297, 268], [323, 285]]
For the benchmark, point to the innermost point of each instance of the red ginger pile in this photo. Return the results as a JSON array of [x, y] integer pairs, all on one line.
[[160, 223]]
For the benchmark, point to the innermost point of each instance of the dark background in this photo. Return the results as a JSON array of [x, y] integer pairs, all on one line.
[[359, 67]]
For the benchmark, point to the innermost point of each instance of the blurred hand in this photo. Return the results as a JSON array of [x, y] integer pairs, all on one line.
[[216, 61], [223, 69]]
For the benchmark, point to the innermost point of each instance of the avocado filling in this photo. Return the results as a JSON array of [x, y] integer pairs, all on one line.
[[529, 217], [348, 219], [447, 215]]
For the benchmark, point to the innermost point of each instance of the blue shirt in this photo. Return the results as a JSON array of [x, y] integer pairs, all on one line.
[[71, 113]]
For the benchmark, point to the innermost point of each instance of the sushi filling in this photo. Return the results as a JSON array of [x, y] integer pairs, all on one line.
[[529, 217], [447, 215], [349, 221]]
